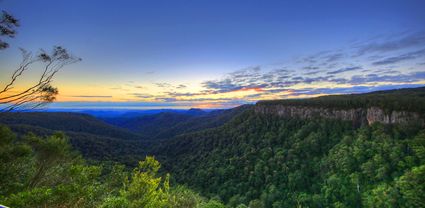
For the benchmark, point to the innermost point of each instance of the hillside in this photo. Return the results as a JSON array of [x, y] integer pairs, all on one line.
[[283, 161], [68, 122], [165, 125], [401, 106], [92, 137], [46, 172], [291, 162]]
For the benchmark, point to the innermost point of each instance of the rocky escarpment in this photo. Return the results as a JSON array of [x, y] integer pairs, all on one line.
[[359, 116]]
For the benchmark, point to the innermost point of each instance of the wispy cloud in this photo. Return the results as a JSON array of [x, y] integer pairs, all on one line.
[[372, 65], [181, 86], [141, 95], [330, 67], [396, 43], [346, 69], [351, 90], [333, 57], [400, 58], [91, 96], [163, 85]]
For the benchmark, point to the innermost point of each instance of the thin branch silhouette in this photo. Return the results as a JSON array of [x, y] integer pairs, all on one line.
[[42, 92]]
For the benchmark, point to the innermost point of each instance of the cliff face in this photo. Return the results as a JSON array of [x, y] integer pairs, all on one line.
[[358, 116]]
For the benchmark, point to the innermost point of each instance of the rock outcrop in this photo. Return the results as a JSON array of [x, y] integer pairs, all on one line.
[[359, 116]]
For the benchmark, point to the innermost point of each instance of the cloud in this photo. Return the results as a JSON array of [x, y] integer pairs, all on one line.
[[91, 96], [346, 69], [333, 57], [399, 58], [312, 59], [165, 99], [168, 85], [311, 67], [181, 86], [313, 72], [301, 76], [275, 82], [388, 70], [374, 78], [185, 94], [411, 40], [239, 80], [204, 99], [141, 95], [351, 90], [163, 85]]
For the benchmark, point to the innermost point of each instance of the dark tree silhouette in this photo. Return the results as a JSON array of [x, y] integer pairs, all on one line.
[[8, 25], [41, 92]]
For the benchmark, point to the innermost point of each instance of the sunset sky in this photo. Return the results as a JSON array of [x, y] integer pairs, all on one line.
[[218, 54]]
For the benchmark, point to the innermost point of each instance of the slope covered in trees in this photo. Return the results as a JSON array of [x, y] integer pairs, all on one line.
[[67, 122], [46, 172], [275, 162], [166, 125], [94, 138]]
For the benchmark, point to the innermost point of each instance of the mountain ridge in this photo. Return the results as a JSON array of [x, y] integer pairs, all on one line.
[[399, 106]]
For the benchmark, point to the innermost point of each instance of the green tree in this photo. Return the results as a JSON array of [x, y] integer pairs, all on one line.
[[146, 188], [412, 187]]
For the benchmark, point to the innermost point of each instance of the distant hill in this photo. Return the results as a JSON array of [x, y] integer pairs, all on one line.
[[95, 147], [67, 122], [94, 138], [166, 125]]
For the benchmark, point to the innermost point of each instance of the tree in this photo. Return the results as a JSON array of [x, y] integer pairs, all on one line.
[[182, 197], [13, 98], [8, 25], [51, 152], [412, 187], [41, 92], [146, 188]]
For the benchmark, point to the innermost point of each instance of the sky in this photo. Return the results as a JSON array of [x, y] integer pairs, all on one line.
[[219, 54]]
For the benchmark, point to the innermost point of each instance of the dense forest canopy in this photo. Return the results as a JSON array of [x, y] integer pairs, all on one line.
[[288, 162], [47, 172], [410, 99]]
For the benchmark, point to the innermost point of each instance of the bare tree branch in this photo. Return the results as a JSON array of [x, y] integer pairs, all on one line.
[[41, 92], [26, 61]]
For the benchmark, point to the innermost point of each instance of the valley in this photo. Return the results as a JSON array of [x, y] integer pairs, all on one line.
[[317, 152]]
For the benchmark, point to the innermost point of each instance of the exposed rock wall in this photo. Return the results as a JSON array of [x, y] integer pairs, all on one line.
[[358, 116]]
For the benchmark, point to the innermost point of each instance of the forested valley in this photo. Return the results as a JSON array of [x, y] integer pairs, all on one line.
[[225, 158]]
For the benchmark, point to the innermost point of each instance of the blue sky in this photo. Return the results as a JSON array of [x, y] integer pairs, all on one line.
[[222, 53]]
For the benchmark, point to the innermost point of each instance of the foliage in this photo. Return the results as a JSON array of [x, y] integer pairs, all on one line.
[[46, 172], [266, 161], [169, 124], [8, 25], [409, 99], [92, 137]]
